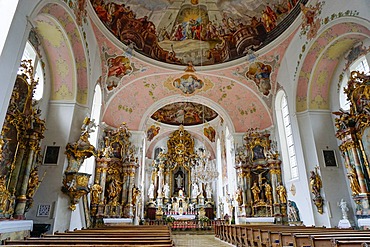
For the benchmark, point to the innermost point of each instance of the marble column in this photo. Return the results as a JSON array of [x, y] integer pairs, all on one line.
[[21, 198], [16, 166], [160, 185], [101, 169], [360, 175]]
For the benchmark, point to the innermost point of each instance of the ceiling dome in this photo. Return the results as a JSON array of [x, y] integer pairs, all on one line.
[[196, 31]]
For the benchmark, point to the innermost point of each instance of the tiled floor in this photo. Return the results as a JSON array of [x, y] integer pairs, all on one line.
[[184, 240]]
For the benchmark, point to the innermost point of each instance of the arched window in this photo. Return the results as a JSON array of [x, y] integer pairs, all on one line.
[[30, 53], [362, 66], [89, 164], [286, 136]]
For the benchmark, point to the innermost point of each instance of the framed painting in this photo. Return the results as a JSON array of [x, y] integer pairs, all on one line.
[[330, 158], [51, 155]]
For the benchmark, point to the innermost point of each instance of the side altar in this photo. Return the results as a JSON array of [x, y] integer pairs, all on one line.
[[182, 180], [261, 195]]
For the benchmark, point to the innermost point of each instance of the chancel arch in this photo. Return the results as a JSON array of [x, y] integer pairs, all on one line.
[[191, 131]]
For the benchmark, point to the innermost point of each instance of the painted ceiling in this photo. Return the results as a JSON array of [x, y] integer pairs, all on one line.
[[145, 85], [184, 113], [200, 32]]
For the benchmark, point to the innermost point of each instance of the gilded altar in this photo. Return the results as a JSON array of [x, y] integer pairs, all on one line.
[[260, 192], [182, 179], [20, 148], [353, 132]]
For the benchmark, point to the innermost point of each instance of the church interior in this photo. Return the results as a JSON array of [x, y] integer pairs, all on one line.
[[191, 114]]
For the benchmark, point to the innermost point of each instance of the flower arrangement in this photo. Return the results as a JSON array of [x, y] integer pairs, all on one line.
[[204, 219], [170, 219]]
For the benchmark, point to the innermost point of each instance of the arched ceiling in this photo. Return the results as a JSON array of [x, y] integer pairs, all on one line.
[[196, 31], [62, 43], [314, 80]]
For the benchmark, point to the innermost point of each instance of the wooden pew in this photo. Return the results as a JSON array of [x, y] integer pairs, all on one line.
[[330, 240], [278, 236], [109, 236], [350, 243]]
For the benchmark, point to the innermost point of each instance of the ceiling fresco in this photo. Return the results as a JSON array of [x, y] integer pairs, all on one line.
[[184, 113], [204, 33]]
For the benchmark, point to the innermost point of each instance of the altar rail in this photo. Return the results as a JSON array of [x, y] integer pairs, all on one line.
[[187, 224]]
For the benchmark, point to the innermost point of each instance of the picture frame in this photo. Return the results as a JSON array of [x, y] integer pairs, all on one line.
[[330, 159], [51, 155], [43, 210]]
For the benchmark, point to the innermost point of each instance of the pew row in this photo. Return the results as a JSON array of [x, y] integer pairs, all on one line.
[[280, 236], [154, 236]]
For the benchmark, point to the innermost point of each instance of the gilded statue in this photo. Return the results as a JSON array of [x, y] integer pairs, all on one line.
[[135, 195], [268, 193], [239, 196], [96, 190], [256, 192], [114, 190], [315, 183], [33, 183], [353, 182], [281, 192]]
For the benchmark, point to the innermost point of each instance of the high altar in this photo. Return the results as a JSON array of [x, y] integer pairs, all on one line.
[[182, 180]]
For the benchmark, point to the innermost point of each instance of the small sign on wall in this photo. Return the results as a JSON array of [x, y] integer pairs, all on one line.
[[329, 158], [51, 155]]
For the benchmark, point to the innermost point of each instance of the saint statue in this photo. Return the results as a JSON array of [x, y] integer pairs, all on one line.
[[239, 196], [343, 206], [268, 193], [256, 190], [96, 190], [114, 190], [194, 190], [209, 191], [179, 181], [353, 182], [293, 212], [281, 192], [166, 190], [151, 191]]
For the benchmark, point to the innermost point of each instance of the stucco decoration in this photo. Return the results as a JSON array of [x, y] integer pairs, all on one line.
[[320, 83], [188, 84], [310, 21], [68, 27], [313, 79], [205, 33], [243, 106], [59, 54]]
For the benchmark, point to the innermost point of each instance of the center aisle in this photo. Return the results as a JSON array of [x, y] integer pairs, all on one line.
[[183, 240]]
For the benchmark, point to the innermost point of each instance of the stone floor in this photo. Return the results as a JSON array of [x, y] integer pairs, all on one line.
[[197, 240]]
